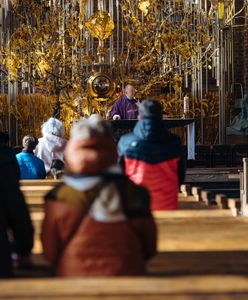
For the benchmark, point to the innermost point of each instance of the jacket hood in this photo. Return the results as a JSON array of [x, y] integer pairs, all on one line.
[[54, 143], [150, 130]]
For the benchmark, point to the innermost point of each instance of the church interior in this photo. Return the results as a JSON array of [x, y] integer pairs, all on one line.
[[69, 60]]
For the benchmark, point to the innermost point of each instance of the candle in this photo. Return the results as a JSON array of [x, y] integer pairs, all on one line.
[[185, 105]]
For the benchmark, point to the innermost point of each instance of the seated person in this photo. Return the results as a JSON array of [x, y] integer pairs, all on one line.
[[153, 157], [97, 223], [51, 145], [57, 169], [126, 107], [14, 216], [31, 167]]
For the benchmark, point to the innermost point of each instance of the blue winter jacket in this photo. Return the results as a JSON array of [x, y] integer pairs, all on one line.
[[31, 166]]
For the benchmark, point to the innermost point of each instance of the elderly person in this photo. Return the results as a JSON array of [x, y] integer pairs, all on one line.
[[31, 167], [51, 145], [97, 223], [126, 107]]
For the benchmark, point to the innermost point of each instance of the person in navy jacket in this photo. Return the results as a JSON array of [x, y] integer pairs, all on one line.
[[31, 166], [153, 157]]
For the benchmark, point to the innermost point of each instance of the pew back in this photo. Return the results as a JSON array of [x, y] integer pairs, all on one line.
[[184, 288]]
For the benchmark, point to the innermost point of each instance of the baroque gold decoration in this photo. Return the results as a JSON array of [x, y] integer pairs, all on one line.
[[100, 25], [143, 5], [49, 50], [100, 86]]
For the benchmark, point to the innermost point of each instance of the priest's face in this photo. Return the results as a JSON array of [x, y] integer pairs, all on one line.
[[130, 91]]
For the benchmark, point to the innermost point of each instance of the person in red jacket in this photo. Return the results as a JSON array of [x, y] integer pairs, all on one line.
[[97, 222], [153, 157]]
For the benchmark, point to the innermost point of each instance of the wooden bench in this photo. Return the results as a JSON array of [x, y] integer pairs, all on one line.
[[35, 190], [218, 180], [201, 245], [191, 206], [190, 242], [175, 288]]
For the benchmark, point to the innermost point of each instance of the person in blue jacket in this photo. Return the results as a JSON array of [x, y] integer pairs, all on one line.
[[31, 166]]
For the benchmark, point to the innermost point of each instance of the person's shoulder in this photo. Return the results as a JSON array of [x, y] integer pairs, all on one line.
[[38, 160], [173, 138], [126, 140], [19, 155], [127, 137], [120, 99], [63, 193], [171, 146]]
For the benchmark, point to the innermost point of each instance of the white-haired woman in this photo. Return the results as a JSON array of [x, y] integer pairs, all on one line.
[[51, 145]]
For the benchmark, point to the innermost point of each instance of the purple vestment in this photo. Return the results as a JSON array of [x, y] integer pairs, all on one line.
[[126, 108]]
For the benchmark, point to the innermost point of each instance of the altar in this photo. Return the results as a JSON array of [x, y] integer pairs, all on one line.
[[121, 127]]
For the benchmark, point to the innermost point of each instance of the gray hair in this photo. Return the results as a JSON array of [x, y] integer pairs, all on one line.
[[88, 128], [127, 86], [29, 142], [53, 126]]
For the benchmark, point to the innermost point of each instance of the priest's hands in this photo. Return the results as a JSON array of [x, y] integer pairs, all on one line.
[[116, 117]]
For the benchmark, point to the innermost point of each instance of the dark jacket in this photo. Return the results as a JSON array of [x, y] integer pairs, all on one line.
[[78, 242], [14, 215], [152, 157]]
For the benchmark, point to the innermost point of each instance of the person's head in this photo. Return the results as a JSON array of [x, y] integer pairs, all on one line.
[[91, 148], [150, 109], [89, 128], [130, 91], [29, 142], [54, 127]]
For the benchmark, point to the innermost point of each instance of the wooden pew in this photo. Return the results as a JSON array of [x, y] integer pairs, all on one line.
[[39, 182], [201, 245], [174, 288], [218, 180], [35, 190], [160, 216], [196, 242]]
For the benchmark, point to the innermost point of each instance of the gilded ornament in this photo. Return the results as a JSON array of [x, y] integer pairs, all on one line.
[[100, 86], [100, 25], [44, 67], [144, 5]]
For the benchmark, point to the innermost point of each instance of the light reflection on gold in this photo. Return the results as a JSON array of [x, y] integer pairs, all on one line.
[[100, 25], [143, 5]]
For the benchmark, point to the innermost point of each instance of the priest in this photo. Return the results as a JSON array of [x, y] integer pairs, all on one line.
[[125, 107]]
